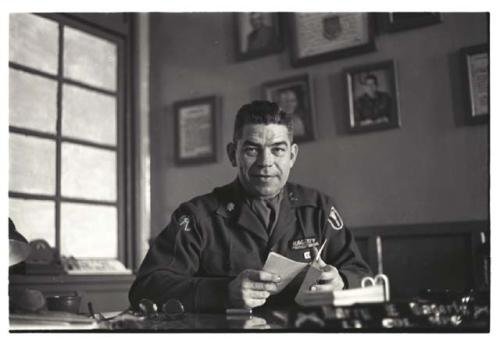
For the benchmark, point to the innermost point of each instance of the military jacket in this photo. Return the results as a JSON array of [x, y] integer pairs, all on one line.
[[214, 237]]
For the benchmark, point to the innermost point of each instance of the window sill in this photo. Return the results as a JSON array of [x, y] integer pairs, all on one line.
[[15, 279]]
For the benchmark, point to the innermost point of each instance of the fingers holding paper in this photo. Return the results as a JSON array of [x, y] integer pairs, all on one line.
[[251, 288], [330, 280]]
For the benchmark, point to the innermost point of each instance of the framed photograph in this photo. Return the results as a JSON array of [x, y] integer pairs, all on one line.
[[399, 21], [373, 97], [476, 74], [257, 34], [294, 96], [196, 125], [319, 37]]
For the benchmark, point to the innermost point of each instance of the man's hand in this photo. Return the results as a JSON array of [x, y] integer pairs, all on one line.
[[251, 288], [330, 280]]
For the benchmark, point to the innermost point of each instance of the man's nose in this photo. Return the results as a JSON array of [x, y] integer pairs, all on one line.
[[265, 158]]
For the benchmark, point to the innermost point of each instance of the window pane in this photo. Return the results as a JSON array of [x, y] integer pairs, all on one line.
[[32, 101], [89, 115], [34, 219], [88, 172], [34, 42], [89, 59], [89, 231], [31, 164]]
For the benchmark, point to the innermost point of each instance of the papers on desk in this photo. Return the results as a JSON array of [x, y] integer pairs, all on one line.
[[286, 268], [50, 320], [363, 295]]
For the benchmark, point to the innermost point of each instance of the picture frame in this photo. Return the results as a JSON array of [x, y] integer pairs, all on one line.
[[373, 97], [257, 34], [196, 130], [476, 73], [294, 95], [400, 21], [320, 37]]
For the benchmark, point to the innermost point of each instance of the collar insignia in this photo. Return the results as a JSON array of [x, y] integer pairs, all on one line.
[[292, 196]]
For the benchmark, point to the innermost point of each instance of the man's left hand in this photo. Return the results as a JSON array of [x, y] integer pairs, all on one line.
[[330, 280]]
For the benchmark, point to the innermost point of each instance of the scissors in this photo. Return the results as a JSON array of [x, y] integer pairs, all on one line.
[[379, 279], [317, 255]]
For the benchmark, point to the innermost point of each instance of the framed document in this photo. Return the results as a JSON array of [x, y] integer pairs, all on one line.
[[399, 21], [373, 97], [294, 96], [196, 130], [257, 34], [476, 70], [318, 37]]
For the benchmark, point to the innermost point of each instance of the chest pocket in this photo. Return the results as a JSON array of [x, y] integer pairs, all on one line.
[[302, 255]]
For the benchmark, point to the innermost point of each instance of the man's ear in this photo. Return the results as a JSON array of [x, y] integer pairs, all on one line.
[[294, 151], [231, 153]]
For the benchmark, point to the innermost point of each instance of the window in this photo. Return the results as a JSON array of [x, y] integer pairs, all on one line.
[[66, 126]]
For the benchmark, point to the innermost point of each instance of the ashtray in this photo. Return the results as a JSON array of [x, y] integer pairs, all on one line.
[[65, 303]]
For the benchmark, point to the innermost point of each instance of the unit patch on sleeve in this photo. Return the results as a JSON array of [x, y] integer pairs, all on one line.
[[335, 220], [185, 222]]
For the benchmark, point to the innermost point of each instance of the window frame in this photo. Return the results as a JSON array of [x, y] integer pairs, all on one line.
[[122, 36]]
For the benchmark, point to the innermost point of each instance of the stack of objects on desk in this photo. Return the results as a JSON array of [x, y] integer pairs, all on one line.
[[464, 314], [372, 294]]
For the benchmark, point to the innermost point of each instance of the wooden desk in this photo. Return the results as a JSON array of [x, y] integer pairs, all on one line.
[[402, 316]]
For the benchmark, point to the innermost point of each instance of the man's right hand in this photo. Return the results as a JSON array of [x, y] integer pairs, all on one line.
[[251, 288]]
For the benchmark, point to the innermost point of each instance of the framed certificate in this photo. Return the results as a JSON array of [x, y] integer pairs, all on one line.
[[476, 74], [319, 37], [196, 130]]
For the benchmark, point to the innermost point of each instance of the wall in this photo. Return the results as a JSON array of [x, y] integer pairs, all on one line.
[[433, 168]]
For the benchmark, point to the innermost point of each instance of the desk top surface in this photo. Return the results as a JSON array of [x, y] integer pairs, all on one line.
[[402, 316]]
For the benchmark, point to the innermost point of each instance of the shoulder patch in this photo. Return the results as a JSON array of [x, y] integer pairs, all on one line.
[[335, 220], [185, 222]]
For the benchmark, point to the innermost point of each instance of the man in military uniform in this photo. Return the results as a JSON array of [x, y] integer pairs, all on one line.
[[210, 256], [374, 106], [262, 37]]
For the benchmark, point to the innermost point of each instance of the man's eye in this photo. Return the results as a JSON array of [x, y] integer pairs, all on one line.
[[251, 151], [278, 151]]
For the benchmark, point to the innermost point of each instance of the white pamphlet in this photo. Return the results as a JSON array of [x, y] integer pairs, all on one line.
[[286, 268]]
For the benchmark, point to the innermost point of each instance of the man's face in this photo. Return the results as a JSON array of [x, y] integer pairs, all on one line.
[[288, 101], [256, 20], [264, 156], [370, 87]]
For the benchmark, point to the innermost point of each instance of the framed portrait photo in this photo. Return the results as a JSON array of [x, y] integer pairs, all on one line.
[[399, 21], [319, 37], [373, 97], [196, 130], [476, 74], [294, 96], [257, 34]]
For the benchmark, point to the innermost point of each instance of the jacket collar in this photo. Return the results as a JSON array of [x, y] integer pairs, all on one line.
[[232, 205], [232, 195]]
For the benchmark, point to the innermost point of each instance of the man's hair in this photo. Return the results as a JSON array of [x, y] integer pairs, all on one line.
[[261, 112], [373, 77]]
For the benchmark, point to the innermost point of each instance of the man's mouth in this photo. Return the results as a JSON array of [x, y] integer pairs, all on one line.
[[263, 177]]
